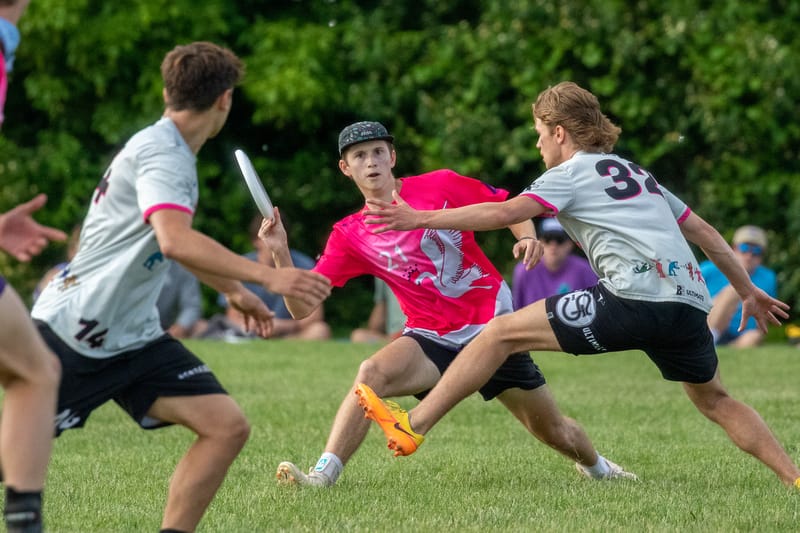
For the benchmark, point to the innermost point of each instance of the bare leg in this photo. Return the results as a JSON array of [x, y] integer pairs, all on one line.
[[538, 412], [526, 329], [29, 373], [222, 431], [398, 369], [744, 426]]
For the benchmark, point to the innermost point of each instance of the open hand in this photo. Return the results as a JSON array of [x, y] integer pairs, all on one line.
[[391, 216], [23, 237]]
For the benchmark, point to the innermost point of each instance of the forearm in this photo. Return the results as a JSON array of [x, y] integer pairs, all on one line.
[[213, 263], [523, 229], [283, 259]]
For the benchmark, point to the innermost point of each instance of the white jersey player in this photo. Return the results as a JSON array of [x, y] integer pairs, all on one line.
[[650, 295], [99, 315]]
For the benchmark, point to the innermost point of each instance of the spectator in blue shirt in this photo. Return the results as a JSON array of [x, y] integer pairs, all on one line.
[[749, 246]]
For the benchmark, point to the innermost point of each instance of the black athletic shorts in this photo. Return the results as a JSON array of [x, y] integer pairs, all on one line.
[[134, 380], [674, 335], [518, 371]]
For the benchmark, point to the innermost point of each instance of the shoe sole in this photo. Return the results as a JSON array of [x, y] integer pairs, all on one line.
[[375, 410], [285, 475]]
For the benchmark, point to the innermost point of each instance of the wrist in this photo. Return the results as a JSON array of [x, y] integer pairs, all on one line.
[[526, 237]]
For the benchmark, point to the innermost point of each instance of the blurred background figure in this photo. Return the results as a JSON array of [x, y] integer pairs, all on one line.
[[749, 246], [231, 325], [180, 304], [73, 241], [558, 272], [386, 321]]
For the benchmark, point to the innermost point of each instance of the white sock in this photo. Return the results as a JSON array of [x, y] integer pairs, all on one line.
[[330, 466], [600, 468]]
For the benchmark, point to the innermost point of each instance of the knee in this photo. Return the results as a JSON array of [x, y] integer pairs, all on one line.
[[370, 372], [236, 430]]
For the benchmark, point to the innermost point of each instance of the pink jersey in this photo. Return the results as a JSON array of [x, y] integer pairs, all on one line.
[[446, 286]]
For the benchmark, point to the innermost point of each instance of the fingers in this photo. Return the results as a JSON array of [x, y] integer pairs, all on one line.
[[52, 234], [34, 204]]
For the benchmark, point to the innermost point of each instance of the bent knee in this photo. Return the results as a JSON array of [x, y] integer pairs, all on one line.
[[371, 373]]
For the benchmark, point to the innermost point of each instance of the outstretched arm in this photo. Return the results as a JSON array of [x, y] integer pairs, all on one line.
[[23, 237], [476, 217], [755, 302]]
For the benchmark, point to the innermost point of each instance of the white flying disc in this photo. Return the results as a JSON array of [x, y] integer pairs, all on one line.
[[257, 190]]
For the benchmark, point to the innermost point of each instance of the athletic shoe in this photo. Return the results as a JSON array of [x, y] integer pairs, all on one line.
[[614, 472], [392, 419], [289, 474]]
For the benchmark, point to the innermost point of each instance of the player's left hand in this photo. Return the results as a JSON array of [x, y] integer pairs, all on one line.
[[764, 308], [392, 216], [23, 237], [530, 251], [258, 318]]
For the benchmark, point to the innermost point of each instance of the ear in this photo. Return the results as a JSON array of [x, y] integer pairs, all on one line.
[[345, 168], [559, 133], [225, 100], [394, 158], [164, 94]]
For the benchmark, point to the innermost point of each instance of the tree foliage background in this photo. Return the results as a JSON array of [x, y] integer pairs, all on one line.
[[706, 94]]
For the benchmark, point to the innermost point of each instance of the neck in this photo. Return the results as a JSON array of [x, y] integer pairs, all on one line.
[[195, 128]]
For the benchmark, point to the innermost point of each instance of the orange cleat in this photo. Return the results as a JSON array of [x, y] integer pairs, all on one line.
[[392, 419]]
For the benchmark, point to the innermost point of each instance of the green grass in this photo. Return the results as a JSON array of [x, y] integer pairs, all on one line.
[[478, 471]]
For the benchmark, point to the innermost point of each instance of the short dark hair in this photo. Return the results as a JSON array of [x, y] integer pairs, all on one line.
[[196, 74]]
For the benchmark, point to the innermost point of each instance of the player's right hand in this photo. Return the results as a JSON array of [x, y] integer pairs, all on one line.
[[308, 287]]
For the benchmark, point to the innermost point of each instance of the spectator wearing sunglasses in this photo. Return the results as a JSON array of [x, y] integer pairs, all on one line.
[[558, 272], [749, 245]]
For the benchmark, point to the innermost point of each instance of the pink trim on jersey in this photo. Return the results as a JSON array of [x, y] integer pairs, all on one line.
[[684, 216], [3, 87], [542, 201], [159, 207]]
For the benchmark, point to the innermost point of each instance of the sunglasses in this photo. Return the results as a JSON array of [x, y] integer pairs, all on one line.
[[747, 248], [558, 239]]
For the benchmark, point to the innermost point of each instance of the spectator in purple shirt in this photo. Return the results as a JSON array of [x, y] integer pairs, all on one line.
[[558, 272]]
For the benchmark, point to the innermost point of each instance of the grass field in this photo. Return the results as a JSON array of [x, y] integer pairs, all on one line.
[[479, 470]]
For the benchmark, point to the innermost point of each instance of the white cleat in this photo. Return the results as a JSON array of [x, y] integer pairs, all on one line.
[[289, 474], [614, 472]]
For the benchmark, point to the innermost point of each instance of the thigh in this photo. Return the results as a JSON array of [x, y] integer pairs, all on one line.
[[23, 353], [204, 414], [403, 366]]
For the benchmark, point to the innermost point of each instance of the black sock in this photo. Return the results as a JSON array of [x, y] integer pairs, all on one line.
[[171, 531], [23, 511]]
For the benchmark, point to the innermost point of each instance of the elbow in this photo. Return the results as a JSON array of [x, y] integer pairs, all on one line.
[[170, 249]]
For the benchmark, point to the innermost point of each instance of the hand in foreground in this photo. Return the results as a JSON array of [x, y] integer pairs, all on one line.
[[308, 287], [23, 237], [258, 318], [393, 216], [531, 251], [272, 233], [764, 308]]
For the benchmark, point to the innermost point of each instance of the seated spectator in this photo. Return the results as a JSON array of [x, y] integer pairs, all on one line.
[[558, 272], [312, 327], [180, 304], [749, 245], [386, 321]]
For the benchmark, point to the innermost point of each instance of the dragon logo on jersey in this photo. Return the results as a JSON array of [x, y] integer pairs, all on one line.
[[576, 309], [452, 279]]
